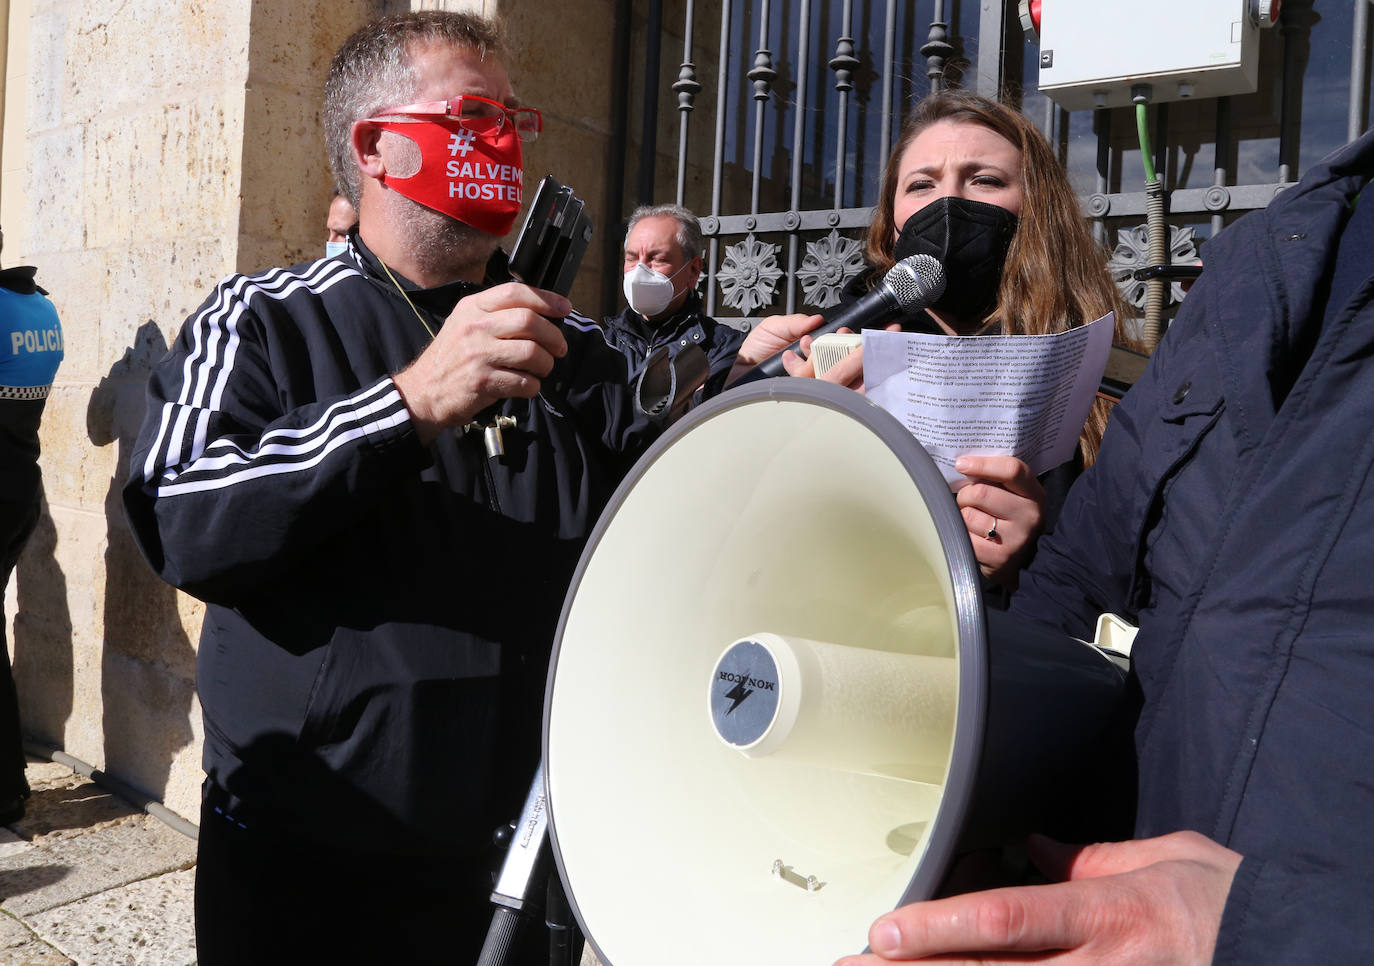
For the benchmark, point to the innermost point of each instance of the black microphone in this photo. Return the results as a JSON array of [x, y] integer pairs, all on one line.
[[908, 287]]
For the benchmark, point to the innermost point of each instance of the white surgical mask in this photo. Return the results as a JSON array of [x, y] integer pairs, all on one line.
[[648, 291], [332, 248]]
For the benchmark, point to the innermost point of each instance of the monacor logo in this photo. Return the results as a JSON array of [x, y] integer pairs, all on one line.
[[744, 686]]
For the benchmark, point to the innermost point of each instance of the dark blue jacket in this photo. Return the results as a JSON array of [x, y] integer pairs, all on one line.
[[1231, 514], [636, 338]]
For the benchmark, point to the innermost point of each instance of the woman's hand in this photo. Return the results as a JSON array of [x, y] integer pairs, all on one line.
[[848, 372], [1004, 509]]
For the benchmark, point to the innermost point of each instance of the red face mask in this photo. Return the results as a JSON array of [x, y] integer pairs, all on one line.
[[470, 168]]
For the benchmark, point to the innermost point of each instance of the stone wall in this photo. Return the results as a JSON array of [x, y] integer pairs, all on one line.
[[562, 64], [163, 146]]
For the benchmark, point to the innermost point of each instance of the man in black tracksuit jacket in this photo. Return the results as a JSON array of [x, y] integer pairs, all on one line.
[[382, 592], [372, 660]]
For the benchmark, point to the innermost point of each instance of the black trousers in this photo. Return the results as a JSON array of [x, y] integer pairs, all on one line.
[[13, 784], [264, 896], [18, 517]]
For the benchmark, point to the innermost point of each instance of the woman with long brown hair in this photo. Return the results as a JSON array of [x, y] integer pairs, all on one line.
[[1055, 276], [973, 183]]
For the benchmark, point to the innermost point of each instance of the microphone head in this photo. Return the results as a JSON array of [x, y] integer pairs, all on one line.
[[915, 282]]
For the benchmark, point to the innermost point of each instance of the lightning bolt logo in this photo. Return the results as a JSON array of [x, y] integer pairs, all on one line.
[[738, 693]]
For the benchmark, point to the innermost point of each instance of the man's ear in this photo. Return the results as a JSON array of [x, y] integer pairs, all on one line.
[[367, 149], [694, 269]]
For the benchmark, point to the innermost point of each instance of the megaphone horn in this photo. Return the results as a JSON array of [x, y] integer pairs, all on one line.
[[775, 708]]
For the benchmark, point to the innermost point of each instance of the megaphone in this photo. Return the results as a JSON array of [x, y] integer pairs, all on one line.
[[776, 706]]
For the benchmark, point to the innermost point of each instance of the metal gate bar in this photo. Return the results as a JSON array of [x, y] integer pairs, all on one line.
[[717, 168], [1359, 71], [798, 130], [843, 64], [686, 89]]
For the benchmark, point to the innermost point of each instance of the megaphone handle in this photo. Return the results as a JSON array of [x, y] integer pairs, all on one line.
[[521, 883], [505, 925]]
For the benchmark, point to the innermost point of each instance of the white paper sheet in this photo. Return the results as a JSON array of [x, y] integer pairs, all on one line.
[[992, 395]]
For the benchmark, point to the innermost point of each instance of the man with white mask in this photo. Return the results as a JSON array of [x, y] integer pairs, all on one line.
[[340, 220], [662, 266]]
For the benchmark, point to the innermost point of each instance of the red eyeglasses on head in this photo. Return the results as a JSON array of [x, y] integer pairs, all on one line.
[[481, 115]]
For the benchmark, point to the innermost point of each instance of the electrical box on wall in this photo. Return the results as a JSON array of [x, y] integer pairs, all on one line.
[[1092, 52]]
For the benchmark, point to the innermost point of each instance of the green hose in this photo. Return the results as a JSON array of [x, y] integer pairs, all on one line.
[[1156, 229], [1142, 125]]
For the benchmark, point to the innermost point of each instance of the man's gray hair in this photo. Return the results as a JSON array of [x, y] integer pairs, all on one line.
[[372, 71], [688, 227]]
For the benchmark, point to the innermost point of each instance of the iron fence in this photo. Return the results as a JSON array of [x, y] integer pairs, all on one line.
[[786, 110]]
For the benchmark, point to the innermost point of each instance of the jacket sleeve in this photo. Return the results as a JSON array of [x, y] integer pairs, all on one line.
[[1283, 916], [1087, 565], [229, 488], [725, 345], [594, 377]]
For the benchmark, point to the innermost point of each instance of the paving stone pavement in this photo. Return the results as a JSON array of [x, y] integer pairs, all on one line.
[[86, 879]]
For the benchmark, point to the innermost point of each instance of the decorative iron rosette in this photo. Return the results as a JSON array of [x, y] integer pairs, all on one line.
[[829, 263], [1133, 251], [749, 274]]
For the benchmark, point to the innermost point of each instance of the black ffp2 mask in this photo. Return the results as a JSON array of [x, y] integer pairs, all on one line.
[[970, 239]]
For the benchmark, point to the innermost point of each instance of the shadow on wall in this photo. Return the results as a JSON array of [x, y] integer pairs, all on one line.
[[43, 635], [148, 663]]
